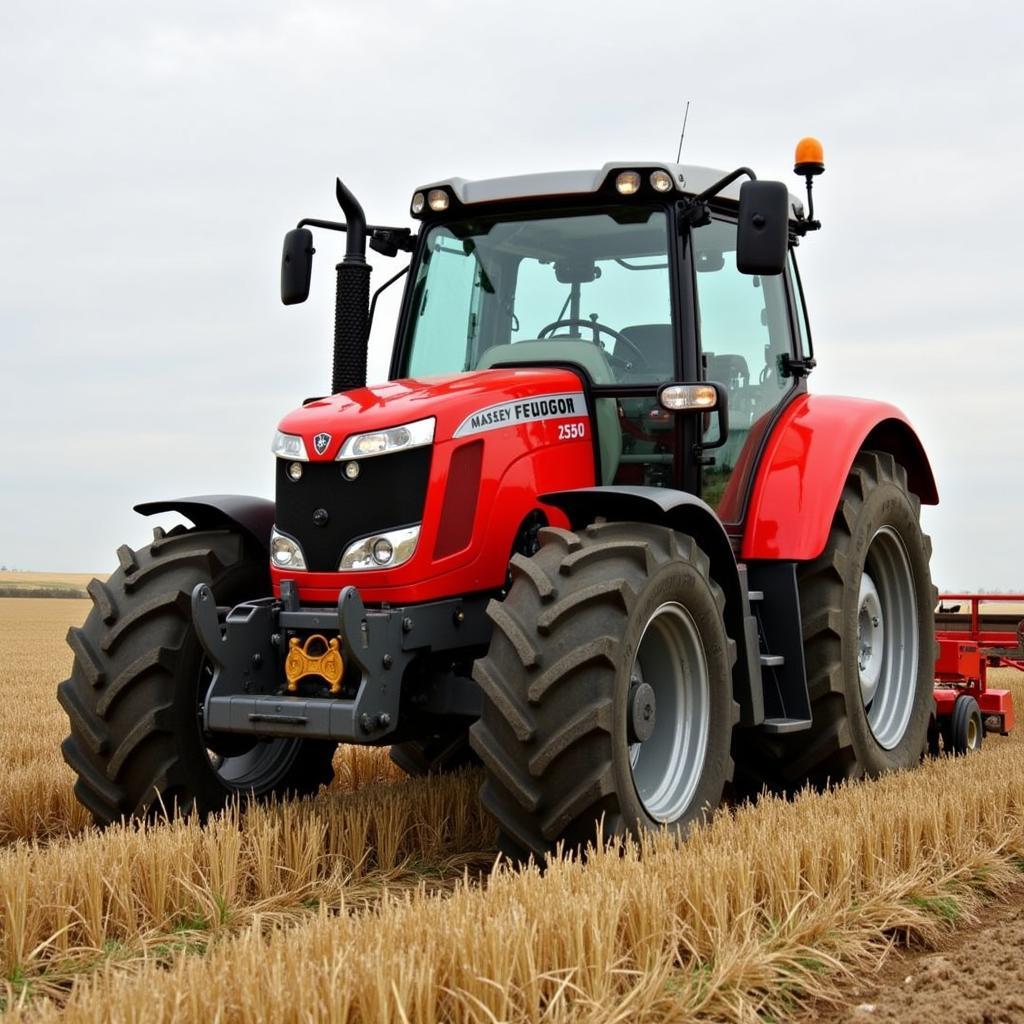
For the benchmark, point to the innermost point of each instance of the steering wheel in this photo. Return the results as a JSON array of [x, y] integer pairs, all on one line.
[[597, 328]]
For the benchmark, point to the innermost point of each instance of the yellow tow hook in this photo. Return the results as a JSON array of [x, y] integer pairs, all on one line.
[[301, 662]]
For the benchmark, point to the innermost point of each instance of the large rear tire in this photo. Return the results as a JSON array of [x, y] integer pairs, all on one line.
[[139, 675], [867, 605], [607, 690]]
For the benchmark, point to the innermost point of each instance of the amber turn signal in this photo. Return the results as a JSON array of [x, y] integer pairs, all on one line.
[[810, 157]]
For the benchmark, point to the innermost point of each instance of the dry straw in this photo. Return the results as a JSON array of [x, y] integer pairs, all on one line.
[[755, 915], [354, 907]]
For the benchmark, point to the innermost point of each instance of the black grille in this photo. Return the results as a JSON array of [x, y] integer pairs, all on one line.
[[389, 492]]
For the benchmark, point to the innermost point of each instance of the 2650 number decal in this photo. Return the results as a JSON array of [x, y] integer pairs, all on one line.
[[571, 431]]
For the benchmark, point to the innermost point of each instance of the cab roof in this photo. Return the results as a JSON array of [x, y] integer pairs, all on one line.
[[689, 179]]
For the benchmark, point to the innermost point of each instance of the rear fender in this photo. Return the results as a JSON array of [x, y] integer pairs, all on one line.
[[687, 514], [804, 467], [253, 516]]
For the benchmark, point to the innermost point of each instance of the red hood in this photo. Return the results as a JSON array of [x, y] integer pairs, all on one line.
[[451, 399]]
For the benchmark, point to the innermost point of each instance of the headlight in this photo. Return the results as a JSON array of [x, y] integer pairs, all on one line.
[[285, 553], [289, 446], [382, 550], [394, 439]]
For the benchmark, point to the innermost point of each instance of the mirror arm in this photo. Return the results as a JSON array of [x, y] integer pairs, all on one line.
[[722, 183], [385, 240], [331, 225], [696, 212]]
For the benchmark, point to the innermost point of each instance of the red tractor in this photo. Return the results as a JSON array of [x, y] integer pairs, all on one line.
[[593, 531]]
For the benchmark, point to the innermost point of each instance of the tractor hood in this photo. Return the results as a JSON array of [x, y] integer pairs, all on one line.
[[462, 404]]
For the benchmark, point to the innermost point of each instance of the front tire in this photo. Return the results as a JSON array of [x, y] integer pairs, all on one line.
[[139, 674], [607, 690]]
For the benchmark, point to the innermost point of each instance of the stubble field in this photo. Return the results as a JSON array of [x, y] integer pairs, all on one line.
[[379, 898]]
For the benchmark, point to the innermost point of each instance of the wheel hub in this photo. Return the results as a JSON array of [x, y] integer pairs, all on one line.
[[870, 638], [641, 712]]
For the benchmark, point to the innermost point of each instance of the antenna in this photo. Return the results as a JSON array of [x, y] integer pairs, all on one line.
[[686, 114]]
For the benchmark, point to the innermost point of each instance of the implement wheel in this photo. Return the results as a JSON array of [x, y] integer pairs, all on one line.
[[869, 638], [139, 675], [966, 729], [607, 690]]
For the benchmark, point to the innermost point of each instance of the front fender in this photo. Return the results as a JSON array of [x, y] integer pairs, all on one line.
[[254, 516], [804, 466], [688, 514]]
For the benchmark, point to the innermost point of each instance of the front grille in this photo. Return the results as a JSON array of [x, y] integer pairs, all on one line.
[[389, 492]]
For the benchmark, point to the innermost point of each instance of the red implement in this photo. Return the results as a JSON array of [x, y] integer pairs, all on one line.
[[972, 640]]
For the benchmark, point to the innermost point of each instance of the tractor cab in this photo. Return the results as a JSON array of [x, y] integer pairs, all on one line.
[[634, 275]]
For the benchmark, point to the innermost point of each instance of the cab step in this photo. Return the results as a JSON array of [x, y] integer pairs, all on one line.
[[785, 725]]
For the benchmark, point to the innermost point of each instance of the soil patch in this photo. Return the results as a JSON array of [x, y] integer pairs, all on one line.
[[976, 976]]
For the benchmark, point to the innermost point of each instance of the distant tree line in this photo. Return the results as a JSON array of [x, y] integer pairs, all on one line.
[[16, 591]]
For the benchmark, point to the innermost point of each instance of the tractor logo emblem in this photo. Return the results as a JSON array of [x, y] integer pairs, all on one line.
[[320, 443]]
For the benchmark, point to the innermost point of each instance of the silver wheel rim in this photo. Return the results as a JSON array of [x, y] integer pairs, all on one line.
[[888, 646], [667, 767]]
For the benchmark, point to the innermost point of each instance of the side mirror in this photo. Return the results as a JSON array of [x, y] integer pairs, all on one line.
[[296, 266], [762, 233]]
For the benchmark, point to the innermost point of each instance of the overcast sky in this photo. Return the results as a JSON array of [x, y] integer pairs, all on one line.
[[151, 157]]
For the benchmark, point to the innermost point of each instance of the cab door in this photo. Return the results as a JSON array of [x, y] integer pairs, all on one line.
[[746, 341]]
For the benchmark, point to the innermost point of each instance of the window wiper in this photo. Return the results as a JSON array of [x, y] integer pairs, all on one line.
[[644, 266]]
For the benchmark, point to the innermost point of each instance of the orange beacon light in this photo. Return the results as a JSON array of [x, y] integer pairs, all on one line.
[[809, 161], [810, 157]]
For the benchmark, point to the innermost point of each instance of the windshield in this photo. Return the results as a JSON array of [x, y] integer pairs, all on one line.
[[590, 288]]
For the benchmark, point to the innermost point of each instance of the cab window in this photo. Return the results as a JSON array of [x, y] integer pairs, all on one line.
[[447, 299], [744, 327]]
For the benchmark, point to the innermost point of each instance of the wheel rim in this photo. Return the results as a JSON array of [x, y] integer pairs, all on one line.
[[972, 733], [667, 767], [889, 648], [255, 770]]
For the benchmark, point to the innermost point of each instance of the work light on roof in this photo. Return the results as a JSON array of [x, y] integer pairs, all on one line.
[[418, 202], [661, 181], [437, 200], [628, 183]]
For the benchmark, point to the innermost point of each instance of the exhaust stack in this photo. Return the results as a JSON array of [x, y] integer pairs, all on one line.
[[352, 301]]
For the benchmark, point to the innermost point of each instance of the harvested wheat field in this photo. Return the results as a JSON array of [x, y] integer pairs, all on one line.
[[376, 900]]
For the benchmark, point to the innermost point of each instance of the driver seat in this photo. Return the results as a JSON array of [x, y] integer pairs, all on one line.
[[591, 359], [655, 343]]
